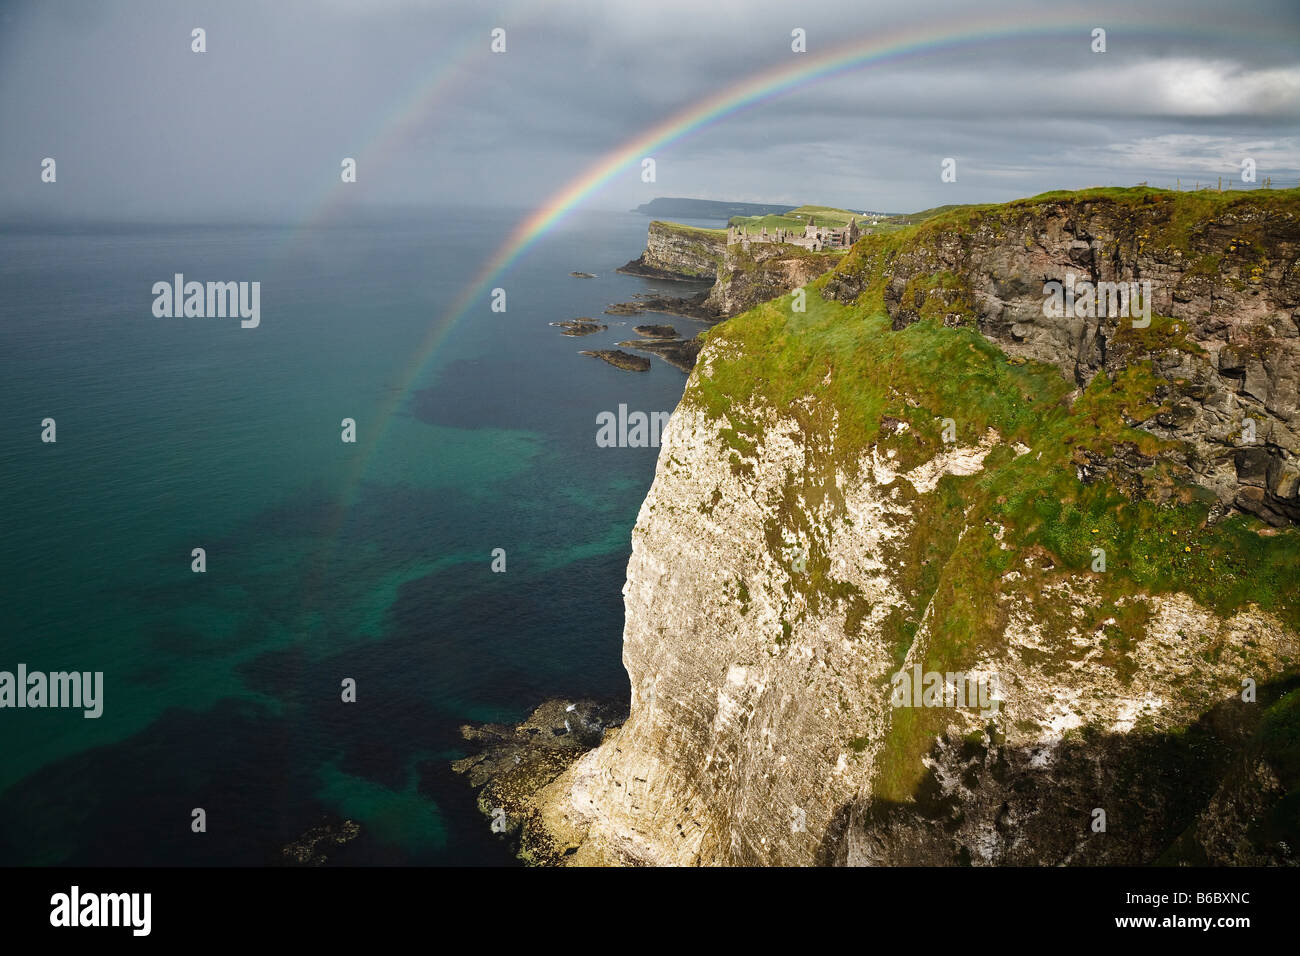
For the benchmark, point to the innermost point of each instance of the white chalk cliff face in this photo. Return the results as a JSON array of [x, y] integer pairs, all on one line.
[[793, 555], [753, 741], [736, 747]]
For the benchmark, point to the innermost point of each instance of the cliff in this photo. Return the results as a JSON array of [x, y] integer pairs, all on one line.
[[743, 276], [1224, 346], [922, 473], [751, 273], [673, 251]]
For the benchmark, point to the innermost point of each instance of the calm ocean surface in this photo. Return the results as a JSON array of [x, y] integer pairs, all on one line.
[[222, 690]]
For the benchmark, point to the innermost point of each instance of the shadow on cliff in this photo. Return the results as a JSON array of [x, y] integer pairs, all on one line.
[[1224, 790]]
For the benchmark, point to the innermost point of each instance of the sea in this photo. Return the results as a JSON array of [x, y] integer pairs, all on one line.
[[324, 561]]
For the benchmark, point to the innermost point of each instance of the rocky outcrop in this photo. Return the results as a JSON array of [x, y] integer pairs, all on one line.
[[580, 326], [744, 274], [511, 763], [869, 490], [662, 340], [1224, 279], [314, 846], [674, 251], [620, 359], [750, 273]]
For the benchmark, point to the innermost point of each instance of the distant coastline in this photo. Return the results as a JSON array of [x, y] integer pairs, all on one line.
[[677, 208]]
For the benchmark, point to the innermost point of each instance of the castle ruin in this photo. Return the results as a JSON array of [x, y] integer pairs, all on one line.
[[814, 237]]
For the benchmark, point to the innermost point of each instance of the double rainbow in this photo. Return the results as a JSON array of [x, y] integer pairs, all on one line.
[[1065, 27]]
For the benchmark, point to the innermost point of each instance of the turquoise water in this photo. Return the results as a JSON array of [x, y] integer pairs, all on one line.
[[222, 689]]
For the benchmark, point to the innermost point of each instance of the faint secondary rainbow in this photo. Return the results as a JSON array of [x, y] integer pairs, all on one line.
[[387, 135], [805, 70]]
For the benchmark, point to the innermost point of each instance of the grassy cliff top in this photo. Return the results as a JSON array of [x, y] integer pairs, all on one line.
[[1186, 208], [927, 372], [798, 218], [912, 218], [1170, 219], [696, 232]]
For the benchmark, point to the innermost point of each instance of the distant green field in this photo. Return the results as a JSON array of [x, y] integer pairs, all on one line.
[[796, 219], [912, 218], [689, 231]]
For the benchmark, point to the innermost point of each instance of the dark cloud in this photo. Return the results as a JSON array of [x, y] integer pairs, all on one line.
[[140, 126]]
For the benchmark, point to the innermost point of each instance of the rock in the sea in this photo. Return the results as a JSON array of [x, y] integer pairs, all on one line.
[[620, 359], [656, 331], [310, 848], [513, 763], [679, 353], [580, 326], [624, 308]]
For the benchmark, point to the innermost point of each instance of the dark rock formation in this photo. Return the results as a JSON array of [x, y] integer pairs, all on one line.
[[679, 353], [515, 762], [620, 359], [1224, 341], [580, 326], [692, 307], [656, 331], [311, 848]]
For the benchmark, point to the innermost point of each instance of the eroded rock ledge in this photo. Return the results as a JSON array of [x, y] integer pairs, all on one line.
[[1224, 274], [516, 762]]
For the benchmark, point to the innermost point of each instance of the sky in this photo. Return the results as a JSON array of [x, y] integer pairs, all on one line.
[[142, 127]]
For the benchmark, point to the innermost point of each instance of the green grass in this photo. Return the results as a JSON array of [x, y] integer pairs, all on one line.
[[912, 218], [796, 219], [1179, 213], [695, 232]]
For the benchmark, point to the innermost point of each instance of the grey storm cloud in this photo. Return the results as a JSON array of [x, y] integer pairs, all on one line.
[[257, 125]]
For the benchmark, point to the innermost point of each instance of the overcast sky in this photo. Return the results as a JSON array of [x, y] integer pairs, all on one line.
[[142, 127]]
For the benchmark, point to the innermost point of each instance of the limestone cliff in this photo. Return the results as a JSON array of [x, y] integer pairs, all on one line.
[[751, 273], [674, 251], [901, 480], [1224, 271], [744, 274]]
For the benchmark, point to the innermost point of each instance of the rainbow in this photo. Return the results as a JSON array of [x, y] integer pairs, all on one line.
[[384, 141], [803, 71], [387, 133]]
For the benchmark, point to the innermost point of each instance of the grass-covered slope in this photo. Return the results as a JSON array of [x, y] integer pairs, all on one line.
[[689, 232], [926, 372], [797, 218]]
